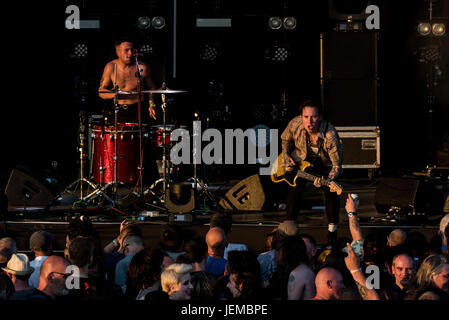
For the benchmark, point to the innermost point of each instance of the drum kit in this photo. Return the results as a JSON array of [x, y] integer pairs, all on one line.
[[116, 153]]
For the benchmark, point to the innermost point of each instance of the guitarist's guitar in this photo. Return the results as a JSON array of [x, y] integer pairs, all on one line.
[[279, 174]]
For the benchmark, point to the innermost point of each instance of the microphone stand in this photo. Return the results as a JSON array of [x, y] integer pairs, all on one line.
[[116, 110], [164, 146], [139, 111]]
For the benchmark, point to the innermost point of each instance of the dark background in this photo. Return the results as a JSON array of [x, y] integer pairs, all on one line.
[[46, 87]]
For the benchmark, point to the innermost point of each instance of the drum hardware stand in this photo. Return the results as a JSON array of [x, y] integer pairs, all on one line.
[[196, 181], [139, 112], [82, 179], [164, 146], [164, 153]]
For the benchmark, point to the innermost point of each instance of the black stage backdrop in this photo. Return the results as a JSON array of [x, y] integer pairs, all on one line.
[[230, 73]]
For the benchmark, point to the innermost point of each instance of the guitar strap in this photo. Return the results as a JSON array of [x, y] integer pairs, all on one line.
[[320, 147]]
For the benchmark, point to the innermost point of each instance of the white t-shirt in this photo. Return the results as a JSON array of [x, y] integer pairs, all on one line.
[[234, 247]]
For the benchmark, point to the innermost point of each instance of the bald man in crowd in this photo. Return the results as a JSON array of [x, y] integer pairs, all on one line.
[[216, 244], [397, 237], [52, 282], [329, 285]]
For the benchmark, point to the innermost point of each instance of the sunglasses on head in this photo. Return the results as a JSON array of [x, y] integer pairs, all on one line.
[[65, 275]]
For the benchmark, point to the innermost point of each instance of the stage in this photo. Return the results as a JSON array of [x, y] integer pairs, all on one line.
[[250, 228]]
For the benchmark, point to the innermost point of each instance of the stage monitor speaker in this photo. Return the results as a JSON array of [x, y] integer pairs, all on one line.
[[246, 195], [180, 198], [410, 195], [25, 190]]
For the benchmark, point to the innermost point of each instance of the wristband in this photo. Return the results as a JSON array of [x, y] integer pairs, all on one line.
[[356, 270], [115, 243]]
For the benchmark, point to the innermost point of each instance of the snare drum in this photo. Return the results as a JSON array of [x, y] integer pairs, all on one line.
[[127, 152]]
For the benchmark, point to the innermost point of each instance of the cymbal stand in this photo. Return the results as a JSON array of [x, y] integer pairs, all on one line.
[[81, 179], [164, 178], [197, 184], [164, 146], [139, 112]]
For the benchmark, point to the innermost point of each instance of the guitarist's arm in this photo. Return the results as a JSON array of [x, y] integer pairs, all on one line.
[[335, 151], [290, 159]]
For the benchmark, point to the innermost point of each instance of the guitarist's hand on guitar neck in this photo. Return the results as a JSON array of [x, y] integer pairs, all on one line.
[[319, 182], [291, 164]]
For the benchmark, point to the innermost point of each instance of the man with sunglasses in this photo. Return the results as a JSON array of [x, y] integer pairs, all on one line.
[[52, 282]]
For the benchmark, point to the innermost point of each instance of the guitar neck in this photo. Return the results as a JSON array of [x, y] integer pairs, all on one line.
[[310, 177]]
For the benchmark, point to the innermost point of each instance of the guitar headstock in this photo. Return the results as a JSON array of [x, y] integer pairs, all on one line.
[[335, 187]]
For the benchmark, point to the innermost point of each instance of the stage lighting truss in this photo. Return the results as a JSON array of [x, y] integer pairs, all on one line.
[[144, 22], [208, 52], [80, 50], [276, 23], [436, 29]]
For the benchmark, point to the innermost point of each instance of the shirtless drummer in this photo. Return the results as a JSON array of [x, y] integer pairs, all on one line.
[[122, 72]]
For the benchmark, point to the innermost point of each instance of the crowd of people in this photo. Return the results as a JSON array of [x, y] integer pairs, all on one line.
[[400, 265]]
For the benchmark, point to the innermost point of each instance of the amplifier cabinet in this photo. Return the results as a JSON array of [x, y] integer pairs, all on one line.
[[361, 147]]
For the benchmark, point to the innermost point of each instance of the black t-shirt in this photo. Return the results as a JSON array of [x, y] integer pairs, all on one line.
[[39, 295], [94, 288], [157, 295]]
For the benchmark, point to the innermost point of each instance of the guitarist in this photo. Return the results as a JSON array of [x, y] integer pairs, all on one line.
[[311, 138]]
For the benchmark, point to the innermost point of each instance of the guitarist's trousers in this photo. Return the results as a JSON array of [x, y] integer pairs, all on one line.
[[295, 197]]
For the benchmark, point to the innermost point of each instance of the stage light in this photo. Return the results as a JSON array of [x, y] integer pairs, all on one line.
[[438, 29], [143, 23], [208, 52], [158, 22], [424, 28], [280, 54], [289, 23], [146, 49], [277, 52], [80, 50], [275, 23]]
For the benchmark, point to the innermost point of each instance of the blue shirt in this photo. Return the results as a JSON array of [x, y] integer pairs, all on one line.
[[267, 264], [216, 266]]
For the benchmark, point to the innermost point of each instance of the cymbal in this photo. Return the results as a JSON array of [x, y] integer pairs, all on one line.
[[167, 91], [119, 92]]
